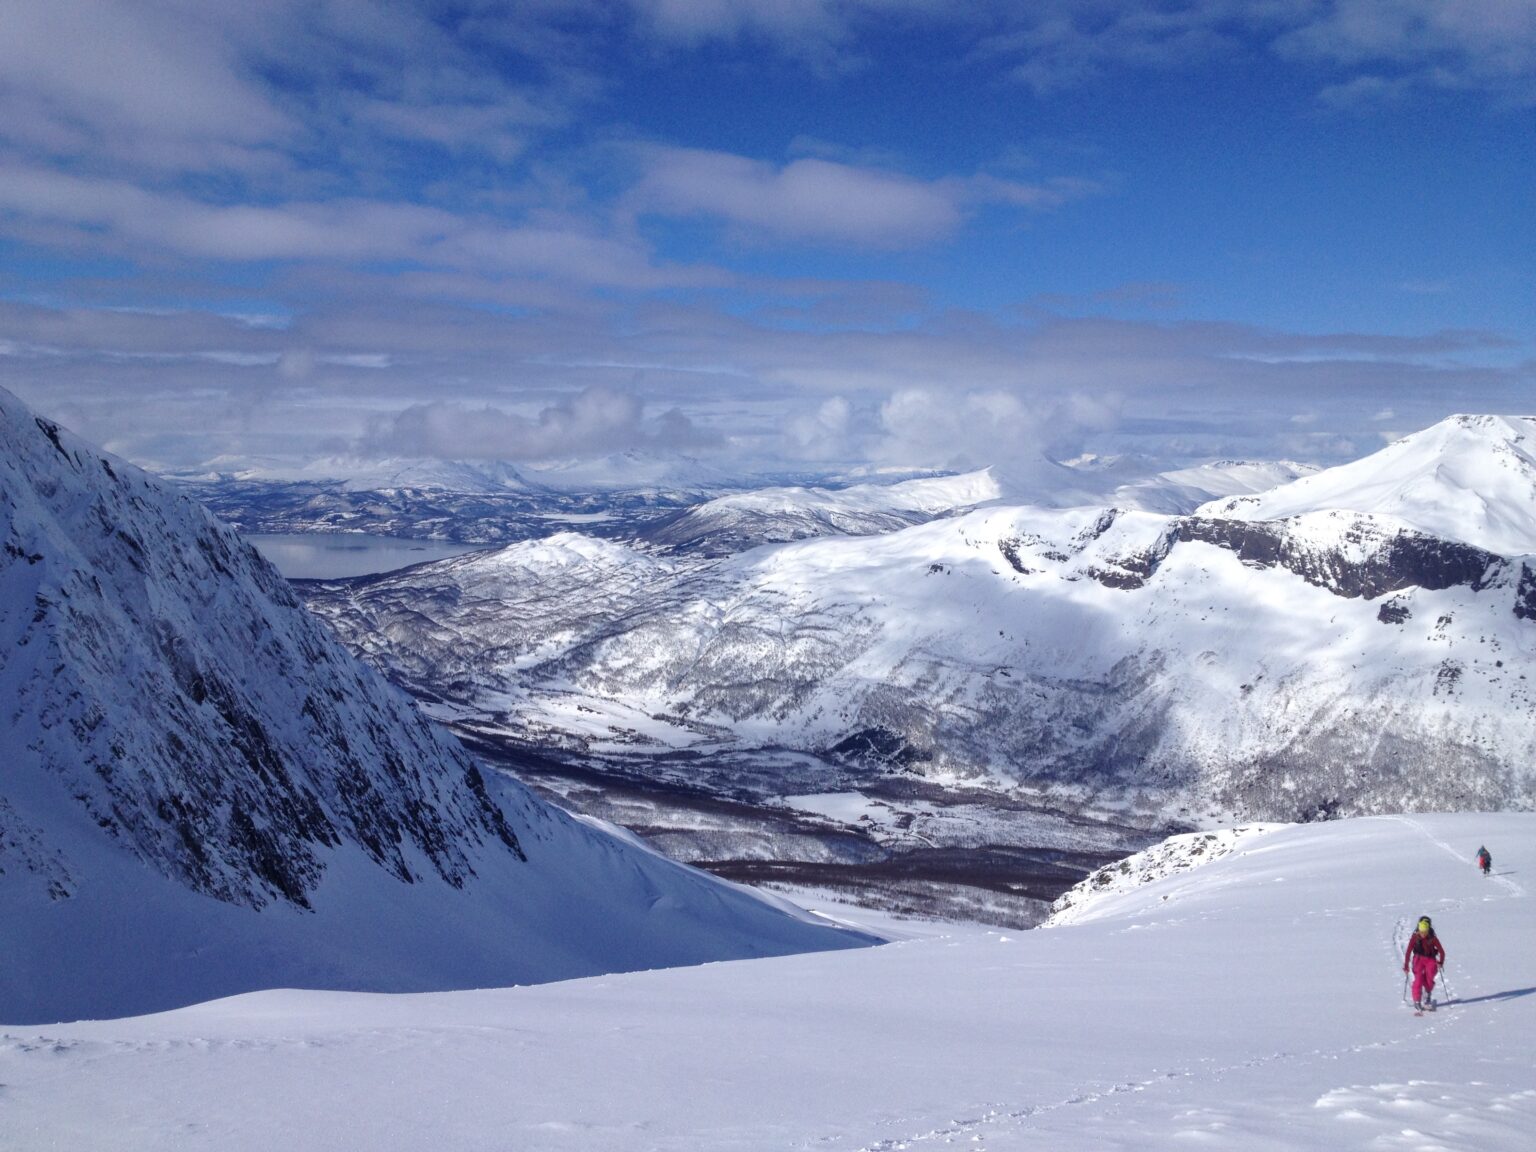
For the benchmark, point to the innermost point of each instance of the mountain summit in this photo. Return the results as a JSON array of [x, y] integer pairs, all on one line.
[[204, 793], [1467, 478]]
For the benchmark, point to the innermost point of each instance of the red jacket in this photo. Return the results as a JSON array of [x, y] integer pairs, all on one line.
[[1423, 946]]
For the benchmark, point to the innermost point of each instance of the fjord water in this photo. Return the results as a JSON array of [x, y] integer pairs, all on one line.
[[340, 555]]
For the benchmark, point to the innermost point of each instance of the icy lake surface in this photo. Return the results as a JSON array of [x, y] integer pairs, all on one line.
[[336, 555]]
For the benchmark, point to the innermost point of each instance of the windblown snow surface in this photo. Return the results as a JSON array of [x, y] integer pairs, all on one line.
[[1246, 1000]]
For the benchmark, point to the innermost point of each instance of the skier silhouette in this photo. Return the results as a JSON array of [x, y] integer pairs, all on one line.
[[1484, 861]]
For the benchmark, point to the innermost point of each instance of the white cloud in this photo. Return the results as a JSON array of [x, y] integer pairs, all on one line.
[[1408, 46], [1365, 92], [944, 391], [97, 214], [152, 80], [968, 430], [825, 433], [812, 199], [1058, 44], [693, 20], [1468, 43], [806, 199], [268, 90], [1051, 45], [407, 192], [1397, 45], [822, 34], [595, 422]]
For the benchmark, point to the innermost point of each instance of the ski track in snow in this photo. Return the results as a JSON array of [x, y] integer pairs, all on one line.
[[1514, 888], [1404, 924], [1001, 1117]]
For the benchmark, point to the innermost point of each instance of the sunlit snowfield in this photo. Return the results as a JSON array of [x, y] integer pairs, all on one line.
[[1252, 1002]]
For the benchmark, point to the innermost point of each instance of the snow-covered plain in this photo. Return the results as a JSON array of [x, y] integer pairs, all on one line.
[[1254, 1002]]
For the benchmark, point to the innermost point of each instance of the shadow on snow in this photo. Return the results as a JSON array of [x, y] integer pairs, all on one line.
[[1514, 994]]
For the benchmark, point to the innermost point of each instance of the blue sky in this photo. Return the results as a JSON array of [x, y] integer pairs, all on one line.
[[809, 234]]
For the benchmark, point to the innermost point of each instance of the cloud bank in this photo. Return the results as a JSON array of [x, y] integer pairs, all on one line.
[[808, 233], [594, 422]]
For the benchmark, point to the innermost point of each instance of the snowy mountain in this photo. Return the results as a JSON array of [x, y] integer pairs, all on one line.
[[1255, 1001], [632, 471], [1467, 478], [1324, 664], [449, 504], [740, 521], [628, 471], [1182, 491], [204, 793]]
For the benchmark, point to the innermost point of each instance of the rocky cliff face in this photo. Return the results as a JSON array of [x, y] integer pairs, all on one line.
[[1350, 555], [167, 680], [202, 792]]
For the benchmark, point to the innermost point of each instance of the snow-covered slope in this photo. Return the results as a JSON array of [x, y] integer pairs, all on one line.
[[1467, 478], [1174, 855], [201, 792], [631, 471], [1254, 1002], [1182, 491], [740, 521]]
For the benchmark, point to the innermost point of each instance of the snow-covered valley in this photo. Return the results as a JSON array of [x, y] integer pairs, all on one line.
[[1002, 678], [1254, 1001]]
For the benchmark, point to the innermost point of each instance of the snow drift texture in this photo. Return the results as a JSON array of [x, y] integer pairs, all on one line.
[[1352, 654], [202, 792]]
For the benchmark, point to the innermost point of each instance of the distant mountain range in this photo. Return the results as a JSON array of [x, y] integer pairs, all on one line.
[[1357, 640], [204, 793], [489, 503]]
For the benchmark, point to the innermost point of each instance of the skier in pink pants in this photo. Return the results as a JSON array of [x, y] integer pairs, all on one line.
[[1426, 957]]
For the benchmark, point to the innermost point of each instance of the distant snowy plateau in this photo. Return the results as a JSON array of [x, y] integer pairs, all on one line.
[[203, 793], [1034, 683]]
